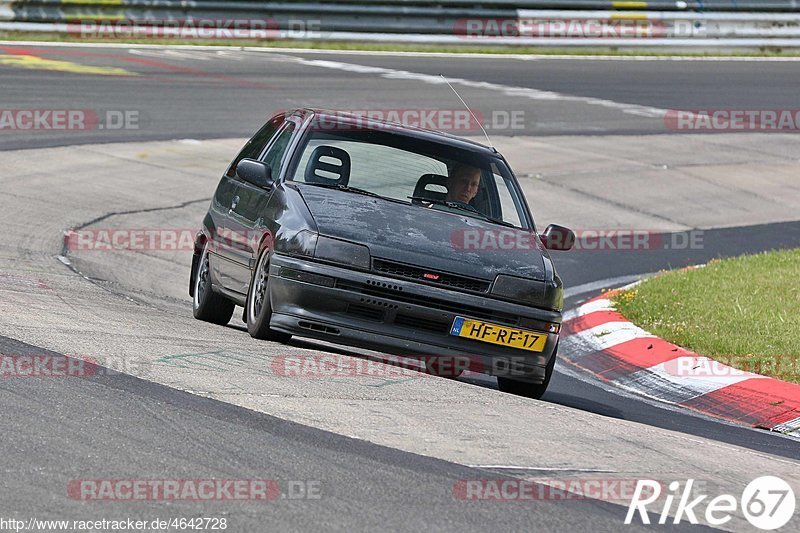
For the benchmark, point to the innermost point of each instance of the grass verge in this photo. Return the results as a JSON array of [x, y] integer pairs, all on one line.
[[395, 47], [743, 312]]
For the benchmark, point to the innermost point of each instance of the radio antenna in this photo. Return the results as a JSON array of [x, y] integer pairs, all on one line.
[[470, 112]]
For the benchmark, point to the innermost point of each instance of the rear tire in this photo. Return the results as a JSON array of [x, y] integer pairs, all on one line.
[[258, 308], [526, 389], [206, 304]]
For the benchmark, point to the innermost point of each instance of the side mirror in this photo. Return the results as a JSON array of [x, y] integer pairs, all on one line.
[[255, 172], [557, 237]]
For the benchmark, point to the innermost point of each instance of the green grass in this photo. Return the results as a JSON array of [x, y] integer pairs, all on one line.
[[743, 312], [392, 47]]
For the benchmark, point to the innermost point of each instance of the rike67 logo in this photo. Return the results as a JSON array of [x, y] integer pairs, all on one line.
[[768, 503]]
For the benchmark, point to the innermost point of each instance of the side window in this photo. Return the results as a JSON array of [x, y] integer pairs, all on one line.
[[256, 145], [276, 152], [509, 204]]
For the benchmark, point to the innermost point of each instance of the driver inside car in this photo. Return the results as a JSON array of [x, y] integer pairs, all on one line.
[[462, 183]]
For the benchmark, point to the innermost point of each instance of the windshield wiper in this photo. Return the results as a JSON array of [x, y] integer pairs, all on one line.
[[356, 190], [345, 188], [461, 206], [448, 203]]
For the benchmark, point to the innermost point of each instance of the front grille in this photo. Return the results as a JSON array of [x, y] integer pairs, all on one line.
[[397, 295], [363, 311], [400, 270], [322, 328]]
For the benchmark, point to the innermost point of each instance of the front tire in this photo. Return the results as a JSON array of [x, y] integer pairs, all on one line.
[[206, 304], [529, 390], [258, 309]]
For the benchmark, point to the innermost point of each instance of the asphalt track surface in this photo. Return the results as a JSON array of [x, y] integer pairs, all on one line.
[[118, 423], [215, 94], [101, 421]]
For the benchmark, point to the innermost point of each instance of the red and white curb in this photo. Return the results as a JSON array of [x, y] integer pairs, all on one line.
[[599, 339]]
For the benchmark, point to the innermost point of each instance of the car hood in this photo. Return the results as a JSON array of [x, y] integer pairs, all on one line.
[[425, 237]]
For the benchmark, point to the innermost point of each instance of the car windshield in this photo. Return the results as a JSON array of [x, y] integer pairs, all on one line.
[[404, 168]]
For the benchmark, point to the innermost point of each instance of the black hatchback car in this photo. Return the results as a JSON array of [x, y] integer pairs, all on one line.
[[382, 236]]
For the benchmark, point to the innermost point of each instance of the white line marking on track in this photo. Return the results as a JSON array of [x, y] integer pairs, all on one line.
[[187, 54], [200, 55], [541, 468], [508, 90]]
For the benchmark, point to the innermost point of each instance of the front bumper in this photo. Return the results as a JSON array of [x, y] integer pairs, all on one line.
[[401, 317]]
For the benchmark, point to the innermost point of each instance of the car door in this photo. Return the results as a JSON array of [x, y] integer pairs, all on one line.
[[253, 210], [222, 229]]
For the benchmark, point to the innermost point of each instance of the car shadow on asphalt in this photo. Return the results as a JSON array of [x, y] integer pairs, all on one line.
[[471, 378], [582, 404]]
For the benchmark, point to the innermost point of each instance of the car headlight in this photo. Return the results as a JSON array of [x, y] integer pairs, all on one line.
[[529, 291], [301, 243], [342, 252]]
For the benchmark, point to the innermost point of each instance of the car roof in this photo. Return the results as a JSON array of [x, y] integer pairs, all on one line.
[[401, 129]]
